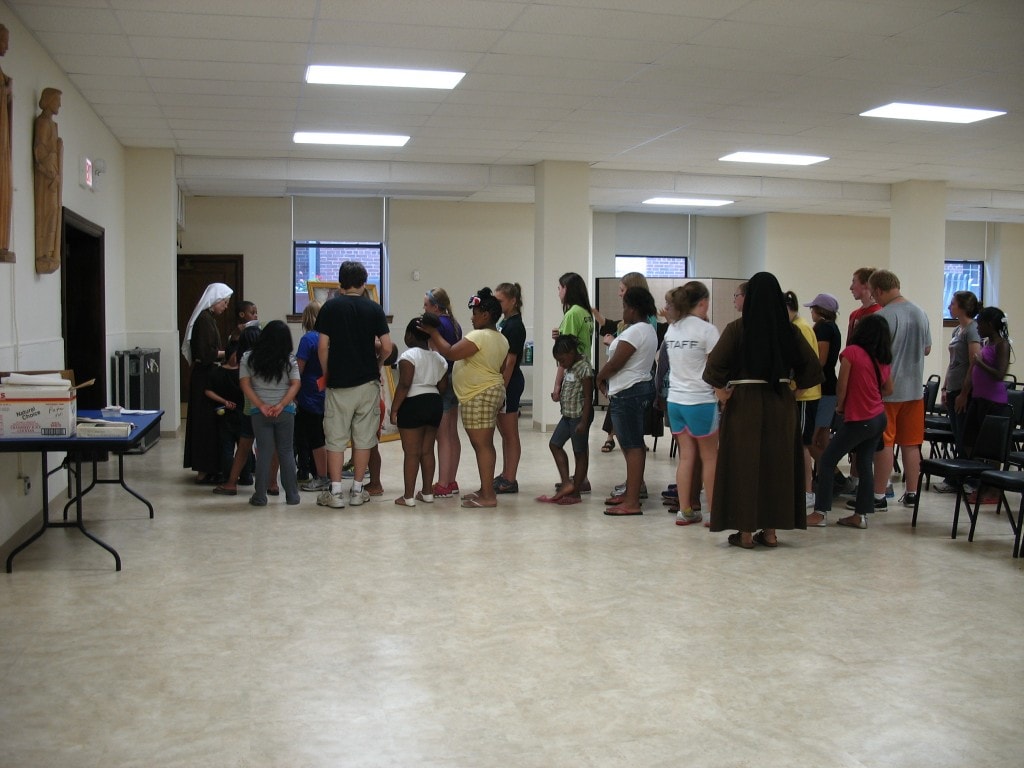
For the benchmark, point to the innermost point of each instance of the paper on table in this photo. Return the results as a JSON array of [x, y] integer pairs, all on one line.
[[128, 412], [37, 380]]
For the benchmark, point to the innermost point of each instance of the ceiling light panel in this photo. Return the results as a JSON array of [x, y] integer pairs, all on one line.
[[382, 77], [688, 202], [931, 113], [350, 139], [772, 158]]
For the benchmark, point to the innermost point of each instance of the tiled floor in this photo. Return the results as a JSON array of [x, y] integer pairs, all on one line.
[[532, 635]]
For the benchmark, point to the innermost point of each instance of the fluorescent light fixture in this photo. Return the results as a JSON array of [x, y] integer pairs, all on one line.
[[350, 139], [931, 113], [382, 77], [772, 158], [690, 202]]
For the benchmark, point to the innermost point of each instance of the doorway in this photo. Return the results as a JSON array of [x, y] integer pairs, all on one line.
[[194, 274], [83, 306]]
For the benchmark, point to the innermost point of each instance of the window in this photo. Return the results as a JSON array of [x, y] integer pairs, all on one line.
[[319, 261], [961, 276], [653, 266]]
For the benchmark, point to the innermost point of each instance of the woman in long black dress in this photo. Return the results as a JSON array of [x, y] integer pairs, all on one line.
[[202, 349], [759, 478]]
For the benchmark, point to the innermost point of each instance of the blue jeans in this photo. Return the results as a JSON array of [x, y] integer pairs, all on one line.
[[627, 409], [275, 435], [863, 438]]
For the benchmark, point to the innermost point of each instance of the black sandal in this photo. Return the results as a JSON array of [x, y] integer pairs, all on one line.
[[609, 446]]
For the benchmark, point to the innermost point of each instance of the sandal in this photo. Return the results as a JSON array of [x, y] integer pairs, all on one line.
[[609, 446], [621, 512], [736, 540], [760, 538]]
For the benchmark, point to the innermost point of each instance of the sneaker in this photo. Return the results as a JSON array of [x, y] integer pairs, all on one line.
[[358, 498], [317, 484], [348, 473], [501, 485], [990, 497], [849, 488], [908, 499], [620, 490], [809, 500], [670, 494], [889, 492], [441, 491], [881, 505], [328, 499], [944, 487], [688, 517]]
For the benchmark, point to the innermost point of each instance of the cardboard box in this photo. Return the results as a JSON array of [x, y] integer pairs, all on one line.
[[40, 411]]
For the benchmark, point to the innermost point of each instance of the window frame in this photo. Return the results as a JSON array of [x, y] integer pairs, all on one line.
[[300, 294], [646, 271], [948, 291]]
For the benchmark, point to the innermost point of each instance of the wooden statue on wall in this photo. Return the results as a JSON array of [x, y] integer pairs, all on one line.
[[6, 182], [48, 153]]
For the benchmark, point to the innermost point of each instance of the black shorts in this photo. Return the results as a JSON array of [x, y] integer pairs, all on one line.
[[807, 414], [420, 411]]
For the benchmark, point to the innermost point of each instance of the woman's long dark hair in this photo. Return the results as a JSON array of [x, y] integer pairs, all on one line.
[[769, 348], [576, 294], [872, 335], [271, 354]]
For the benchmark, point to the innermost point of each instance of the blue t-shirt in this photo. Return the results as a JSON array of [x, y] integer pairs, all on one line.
[[310, 398]]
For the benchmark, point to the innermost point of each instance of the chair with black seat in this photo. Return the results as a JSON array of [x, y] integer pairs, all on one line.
[[1003, 481], [990, 451], [1015, 399], [935, 414]]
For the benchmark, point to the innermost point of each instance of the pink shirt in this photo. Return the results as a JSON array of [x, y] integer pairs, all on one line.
[[863, 396]]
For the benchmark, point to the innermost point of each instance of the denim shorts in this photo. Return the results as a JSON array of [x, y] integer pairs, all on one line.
[[627, 408], [565, 431], [448, 398]]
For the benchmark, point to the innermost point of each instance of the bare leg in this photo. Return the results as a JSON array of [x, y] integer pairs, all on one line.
[[482, 441], [449, 447], [911, 465], [883, 468], [412, 451], [242, 453], [427, 464], [511, 447], [708, 448]]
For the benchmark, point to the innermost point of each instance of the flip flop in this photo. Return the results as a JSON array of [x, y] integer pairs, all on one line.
[[420, 497], [400, 501], [222, 491], [621, 512], [475, 503], [547, 499], [567, 500], [470, 496], [760, 538], [608, 447]]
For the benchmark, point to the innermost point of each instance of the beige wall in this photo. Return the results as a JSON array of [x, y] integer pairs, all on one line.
[[30, 314]]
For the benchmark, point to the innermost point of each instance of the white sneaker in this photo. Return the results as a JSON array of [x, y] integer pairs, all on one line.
[[688, 517], [809, 499], [328, 499], [944, 487], [317, 484], [358, 498]]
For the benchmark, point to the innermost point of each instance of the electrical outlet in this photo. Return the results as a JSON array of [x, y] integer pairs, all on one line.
[[26, 485]]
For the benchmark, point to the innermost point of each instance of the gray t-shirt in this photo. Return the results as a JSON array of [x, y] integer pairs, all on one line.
[[911, 336], [270, 392], [960, 355]]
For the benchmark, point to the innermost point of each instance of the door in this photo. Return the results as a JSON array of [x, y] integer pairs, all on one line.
[[194, 274], [83, 302]]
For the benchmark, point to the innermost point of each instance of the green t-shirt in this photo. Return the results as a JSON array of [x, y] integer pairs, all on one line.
[[579, 323]]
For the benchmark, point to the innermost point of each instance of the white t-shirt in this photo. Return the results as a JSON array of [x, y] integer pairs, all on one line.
[[644, 339], [688, 342], [428, 369]]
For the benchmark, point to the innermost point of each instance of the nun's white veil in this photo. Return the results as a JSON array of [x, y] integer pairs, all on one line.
[[214, 292]]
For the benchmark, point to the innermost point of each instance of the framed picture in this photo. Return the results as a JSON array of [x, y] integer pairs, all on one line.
[[321, 292]]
